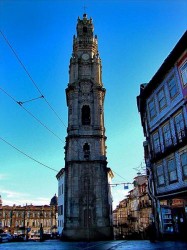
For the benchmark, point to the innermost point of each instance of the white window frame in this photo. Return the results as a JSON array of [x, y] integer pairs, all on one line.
[[184, 172], [172, 170], [183, 73], [172, 79], [161, 99], [152, 108], [179, 126], [156, 142], [160, 176], [166, 130]]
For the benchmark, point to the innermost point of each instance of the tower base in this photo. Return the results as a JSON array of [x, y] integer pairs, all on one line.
[[88, 234]]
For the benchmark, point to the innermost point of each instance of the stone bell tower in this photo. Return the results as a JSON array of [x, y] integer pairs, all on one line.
[[88, 205]]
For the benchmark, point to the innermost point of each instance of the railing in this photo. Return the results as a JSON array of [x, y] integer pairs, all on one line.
[[170, 145]]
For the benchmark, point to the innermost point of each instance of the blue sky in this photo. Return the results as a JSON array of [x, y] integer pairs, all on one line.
[[134, 39]]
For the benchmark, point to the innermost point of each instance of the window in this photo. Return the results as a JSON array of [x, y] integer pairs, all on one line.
[[156, 142], [152, 109], [62, 189], [161, 99], [86, 149], [167, 135], [86, 119], [85, 29], [172, 85], [183, 158], [183, 72], [172, 171], [160, 175], [60, 210], [179, 126]]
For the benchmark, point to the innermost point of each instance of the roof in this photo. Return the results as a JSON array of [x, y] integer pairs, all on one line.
[[169, 62], [54, 201], [60, 173]]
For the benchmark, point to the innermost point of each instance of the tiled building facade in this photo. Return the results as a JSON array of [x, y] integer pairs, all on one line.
[[28, 219], [162, 104], [61, 191], [132, 215]]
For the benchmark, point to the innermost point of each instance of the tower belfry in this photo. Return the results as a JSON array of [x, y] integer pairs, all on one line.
[[88, 203]]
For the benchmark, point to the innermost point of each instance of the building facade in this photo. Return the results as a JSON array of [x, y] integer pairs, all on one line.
[[132, 215], [162, 104], [87, 201], [28, 219], [61, 178]]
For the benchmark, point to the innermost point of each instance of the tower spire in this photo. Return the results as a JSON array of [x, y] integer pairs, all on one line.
[[84, 8]]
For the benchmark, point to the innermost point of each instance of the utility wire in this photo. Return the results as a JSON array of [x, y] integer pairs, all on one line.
[[31, 100], [34, 83], [44, 165], [30, 157], [119, 175], [51, 130], [27, 72], [20, 104]]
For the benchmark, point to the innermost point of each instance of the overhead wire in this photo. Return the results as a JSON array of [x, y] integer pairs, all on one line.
[[29, 75], [119, 175], [38, 89], [10, 96], [34, 83], [20, 104], [30, 157]]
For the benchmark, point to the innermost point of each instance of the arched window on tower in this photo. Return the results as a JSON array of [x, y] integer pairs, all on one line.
[[86, 150], [86, 120], [85, 29]]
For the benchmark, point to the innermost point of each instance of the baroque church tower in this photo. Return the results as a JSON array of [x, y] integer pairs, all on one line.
[[88, 202]]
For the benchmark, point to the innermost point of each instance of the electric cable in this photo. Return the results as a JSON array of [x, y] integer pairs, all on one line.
[[44, 165], [51, 130], [28, 156], [20, 104], [119, 175], [29, 75]]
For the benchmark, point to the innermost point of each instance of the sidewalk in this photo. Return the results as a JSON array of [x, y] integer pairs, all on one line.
[[101, 245]]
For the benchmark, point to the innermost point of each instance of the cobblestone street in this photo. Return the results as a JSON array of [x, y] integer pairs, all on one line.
[[103, 245]]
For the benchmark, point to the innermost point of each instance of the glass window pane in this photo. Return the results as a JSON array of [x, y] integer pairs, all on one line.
[[152, 109], [171, 165], [173, 176], [167, 135], [185, 170], [184, 73], [179, 122], [161, 99], [159, 170], [161, 180], [184, 159], [172, 87]]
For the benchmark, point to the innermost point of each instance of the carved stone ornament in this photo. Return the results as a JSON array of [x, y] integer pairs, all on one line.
[[85, 87]]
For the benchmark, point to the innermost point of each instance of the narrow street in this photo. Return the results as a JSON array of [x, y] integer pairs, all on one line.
[[102, 245]]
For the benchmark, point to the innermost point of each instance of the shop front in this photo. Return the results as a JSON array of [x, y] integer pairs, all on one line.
[[173, 218]]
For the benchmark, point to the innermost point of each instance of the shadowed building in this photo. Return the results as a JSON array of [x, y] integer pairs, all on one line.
[[162, 104], [87, 197]]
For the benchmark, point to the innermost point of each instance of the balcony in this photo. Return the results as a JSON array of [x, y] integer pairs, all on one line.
[[170, 145]]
